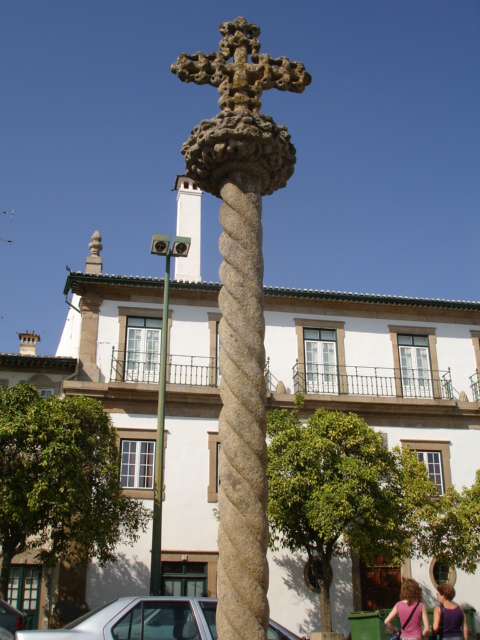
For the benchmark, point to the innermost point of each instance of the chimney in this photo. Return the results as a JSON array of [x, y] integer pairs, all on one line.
[[28, 343], [94, 261], [188, 224]]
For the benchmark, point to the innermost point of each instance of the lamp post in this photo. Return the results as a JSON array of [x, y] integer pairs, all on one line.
[[161, 247]]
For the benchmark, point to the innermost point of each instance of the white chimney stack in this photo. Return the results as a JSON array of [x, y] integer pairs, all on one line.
[[28, 343], [189, 217]]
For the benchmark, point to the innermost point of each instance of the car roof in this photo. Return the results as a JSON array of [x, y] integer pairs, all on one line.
[[10, 608]]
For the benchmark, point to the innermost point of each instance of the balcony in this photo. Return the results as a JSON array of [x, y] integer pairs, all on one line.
[[474, 386], [136, 366], [372, 381], [201, 371], [197, 371]]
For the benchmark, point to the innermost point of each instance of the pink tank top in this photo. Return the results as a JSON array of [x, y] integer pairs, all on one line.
[[414, 627]]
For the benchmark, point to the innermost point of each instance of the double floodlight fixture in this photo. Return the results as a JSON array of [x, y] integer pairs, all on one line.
[[161, 244]]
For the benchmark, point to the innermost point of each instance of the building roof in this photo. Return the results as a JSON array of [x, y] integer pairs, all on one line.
[[28, 361], [76, 277]]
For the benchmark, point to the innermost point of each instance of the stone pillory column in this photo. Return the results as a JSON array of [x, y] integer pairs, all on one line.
[[241, 155]]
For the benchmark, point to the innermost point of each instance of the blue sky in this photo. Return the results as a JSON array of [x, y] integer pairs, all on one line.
[[386, 192]]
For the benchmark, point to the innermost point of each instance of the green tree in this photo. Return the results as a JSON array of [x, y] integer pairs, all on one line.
[[334, 487], [453, 535], [60, 491]]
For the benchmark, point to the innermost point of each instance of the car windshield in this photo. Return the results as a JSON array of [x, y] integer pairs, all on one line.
[[86, 616]]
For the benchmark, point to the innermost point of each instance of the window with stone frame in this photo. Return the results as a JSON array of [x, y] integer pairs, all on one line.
[[137, 461], [436, 456], [441, 573], [214, 349], [416, 363], [137, 464], [415, 366], [320, 357], [137, 358], [142, 349], [213, 473], [320, 366]]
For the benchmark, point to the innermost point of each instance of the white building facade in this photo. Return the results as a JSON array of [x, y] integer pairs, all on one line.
[[409, 367]]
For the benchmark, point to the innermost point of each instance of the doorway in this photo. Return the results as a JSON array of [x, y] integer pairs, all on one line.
[[380, 585], [24, 591]]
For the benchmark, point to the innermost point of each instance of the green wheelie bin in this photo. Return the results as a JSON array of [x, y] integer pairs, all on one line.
[[370, 625]]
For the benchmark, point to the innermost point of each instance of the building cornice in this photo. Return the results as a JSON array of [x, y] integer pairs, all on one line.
[[21, 361], [76, 279]]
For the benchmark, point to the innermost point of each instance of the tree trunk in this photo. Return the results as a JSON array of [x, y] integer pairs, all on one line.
[[4, 573], [324, 584]]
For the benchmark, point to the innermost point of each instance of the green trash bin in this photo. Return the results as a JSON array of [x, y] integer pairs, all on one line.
[[370, 625], [470, 615]]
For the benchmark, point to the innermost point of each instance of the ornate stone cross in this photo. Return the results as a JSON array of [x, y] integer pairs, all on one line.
[[241, 155], [240, 83]]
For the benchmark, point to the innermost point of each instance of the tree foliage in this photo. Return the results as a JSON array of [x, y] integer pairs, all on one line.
[[60, 491], [453, 535], [334, 487]]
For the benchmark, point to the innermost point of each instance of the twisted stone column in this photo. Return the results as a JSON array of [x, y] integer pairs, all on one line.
[[243, 531], [240, 156]]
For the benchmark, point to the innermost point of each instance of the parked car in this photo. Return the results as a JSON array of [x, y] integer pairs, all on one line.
[[5, 634], [148, 618], [11, 619]]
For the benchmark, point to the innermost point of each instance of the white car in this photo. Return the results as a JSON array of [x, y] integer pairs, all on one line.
[[148, 618], [5, 634]]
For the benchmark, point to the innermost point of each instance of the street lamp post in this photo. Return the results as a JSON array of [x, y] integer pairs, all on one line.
[[161, 247]]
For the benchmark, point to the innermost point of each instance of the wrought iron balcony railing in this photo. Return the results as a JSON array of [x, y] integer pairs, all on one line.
[[137, 366], [372, 381], [197, 371], [474, 386], [200, 371]]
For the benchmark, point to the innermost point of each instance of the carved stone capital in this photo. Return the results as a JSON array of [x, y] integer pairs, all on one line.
[[250, 143]]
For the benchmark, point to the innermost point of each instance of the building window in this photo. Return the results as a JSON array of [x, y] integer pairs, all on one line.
[[415, 362], [213, 473], [201, 568], [46, 392], [441, 573], [313, 573], [320, 367], [23, 591], [476, 347], [142, 349], [415, 366], [321, 360], [433, 460], [137, 464], [436, 455], [184, 578], [217, 357], [214, 349]]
